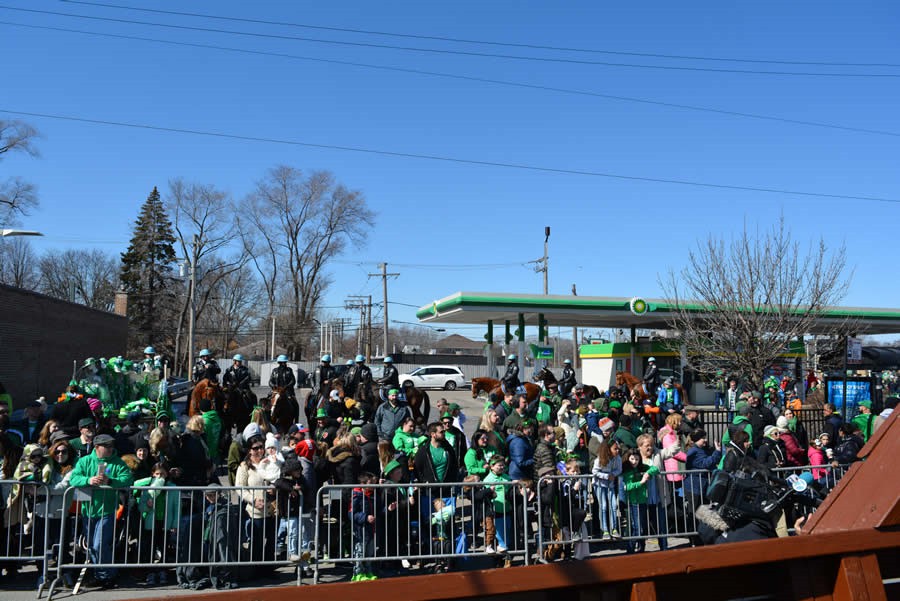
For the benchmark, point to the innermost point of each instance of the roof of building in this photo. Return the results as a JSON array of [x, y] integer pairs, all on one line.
[[455, 341], [607, 312]]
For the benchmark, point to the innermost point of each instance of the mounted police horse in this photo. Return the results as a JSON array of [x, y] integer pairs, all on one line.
[[209, 390], [639, 392], [492, 386], [283, 409], [239, 403], [548, 380]]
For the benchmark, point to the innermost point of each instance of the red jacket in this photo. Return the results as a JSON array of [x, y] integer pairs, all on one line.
[[795, 455]]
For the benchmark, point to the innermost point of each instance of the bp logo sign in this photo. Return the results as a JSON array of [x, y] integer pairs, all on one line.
[[638, 306]]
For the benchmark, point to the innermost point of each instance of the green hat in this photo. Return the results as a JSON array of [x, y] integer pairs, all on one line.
[[741, 407], [615, 405], [355, 431], [391, 466], [73, 383], [866, 403], [454, 407], [393, 391], [497, 458], [545, 394], [447, 415], [163, 415], [321, 413]]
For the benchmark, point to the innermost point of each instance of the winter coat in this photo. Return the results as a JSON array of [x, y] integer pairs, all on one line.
[[213, 432], [847, 450], [670, 438], [388, 419], [699, 458], [407, 443], [166, 506], [343, 465], [544, 456], [104, 501], [816, 457], [368, 457], [521, 455], [501, 490], [760, 417], [475, 459], [459, 447], [795, 455], [738, 423], [771, 453], [606, 475], [249, 476], [425, 470], [637, 492]]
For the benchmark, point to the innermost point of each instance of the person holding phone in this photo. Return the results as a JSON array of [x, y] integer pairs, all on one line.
[[103, 472]]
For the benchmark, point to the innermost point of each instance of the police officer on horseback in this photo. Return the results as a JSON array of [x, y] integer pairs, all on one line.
[[358, 378], [323, 376], [651, 377], [238, 375], [510, 380], [206, 367], [283, 377], [391, 377], [151, 362], [567, 382]]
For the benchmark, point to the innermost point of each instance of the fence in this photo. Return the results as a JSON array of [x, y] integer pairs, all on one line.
[[217, 536], [440, 522], [211, 535], [30, 522], [716, 422]]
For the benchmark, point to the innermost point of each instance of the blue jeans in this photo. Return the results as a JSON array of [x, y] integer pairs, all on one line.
[[99, 533], [720, 400], [660, 520], [608, 498], [292, 528], [637, 518], [501, 524]]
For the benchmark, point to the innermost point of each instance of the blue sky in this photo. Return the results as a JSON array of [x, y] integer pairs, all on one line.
[[609, 236]]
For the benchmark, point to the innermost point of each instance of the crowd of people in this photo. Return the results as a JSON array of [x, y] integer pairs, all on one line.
[[557, 461]]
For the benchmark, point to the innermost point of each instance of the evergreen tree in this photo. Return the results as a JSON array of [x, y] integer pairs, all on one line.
[[147, 278]]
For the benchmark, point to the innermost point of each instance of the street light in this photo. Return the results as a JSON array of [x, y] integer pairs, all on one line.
[[12, 232]]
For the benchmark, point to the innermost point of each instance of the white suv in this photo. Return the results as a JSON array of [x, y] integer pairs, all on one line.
[[448, 377]]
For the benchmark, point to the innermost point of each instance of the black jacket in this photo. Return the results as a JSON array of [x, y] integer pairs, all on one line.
[[368, 457], [357, 376], [771, 453], [391, 377], [239, 377], [651, 377], [425, 471], [511, 377], [69, 413], [343, 465], [760, 417], [568, 378], [322, 374], [22, 428], [283, 377]]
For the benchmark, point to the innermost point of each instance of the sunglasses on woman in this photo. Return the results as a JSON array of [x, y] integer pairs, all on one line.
[[258, 448]]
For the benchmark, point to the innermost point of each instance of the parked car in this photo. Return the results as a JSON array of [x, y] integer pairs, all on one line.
[[448, 377]]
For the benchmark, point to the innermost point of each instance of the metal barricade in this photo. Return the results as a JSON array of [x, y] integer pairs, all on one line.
[[440, 524], [211, 535], [583, 510], [29, 522], [824, 477]]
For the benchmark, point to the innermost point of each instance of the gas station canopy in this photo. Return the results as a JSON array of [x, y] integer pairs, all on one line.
[[608, 312]]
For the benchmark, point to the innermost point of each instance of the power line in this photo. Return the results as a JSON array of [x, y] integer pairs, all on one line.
[[540, 59], [484, 42], [444, 159], [471, 78]]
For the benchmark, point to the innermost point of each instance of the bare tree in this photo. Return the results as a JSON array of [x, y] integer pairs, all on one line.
[[203, 219], [302, 222], [17, 197], [88, 277], [18, 264], [738, 304]]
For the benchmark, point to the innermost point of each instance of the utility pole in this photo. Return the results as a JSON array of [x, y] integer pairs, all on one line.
[[574, 337], [193, 267], [364, 304], [384, 275], [544, 261], [369, 329]]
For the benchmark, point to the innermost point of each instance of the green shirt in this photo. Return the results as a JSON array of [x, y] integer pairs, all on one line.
[[544, 413], [439, 458], [500, 490]]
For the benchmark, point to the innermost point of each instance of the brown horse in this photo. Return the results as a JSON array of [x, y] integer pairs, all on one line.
[[546, 376], [206, 389], [636, 387], [418, 401], [283, 410], [492, 385]]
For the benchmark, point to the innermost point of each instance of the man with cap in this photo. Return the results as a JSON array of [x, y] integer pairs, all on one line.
[[150, 364], [104, 472], [390, 378], [83, 445], [237, 376], [459, 418], [669, 399], [368, 449], [510, 380], [567, 381], [326, 427], [759, 417], [34, 420], [206, 367], [390, 415], [283, 377], [358, 381], [651, 377], [864, 419]]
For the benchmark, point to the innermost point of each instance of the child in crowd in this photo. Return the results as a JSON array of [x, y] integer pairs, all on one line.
[[498, 479], [289, 504], [160, 512], [606, 469], [270, 466], [363, 511], [635, 476], [479, 510], [571, 509], [442, 533]]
